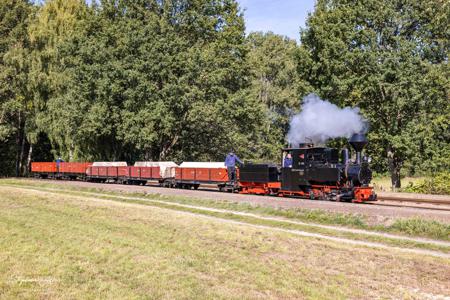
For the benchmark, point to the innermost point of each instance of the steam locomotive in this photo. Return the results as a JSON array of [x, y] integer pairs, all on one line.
[[316, 172]]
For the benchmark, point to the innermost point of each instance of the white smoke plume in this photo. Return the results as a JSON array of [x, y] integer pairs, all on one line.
[[321, 120]]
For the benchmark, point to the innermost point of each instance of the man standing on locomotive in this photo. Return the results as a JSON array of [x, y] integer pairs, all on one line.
[[230, 163], [287, 162]]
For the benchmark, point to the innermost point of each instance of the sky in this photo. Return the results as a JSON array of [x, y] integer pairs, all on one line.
[[283, 17]]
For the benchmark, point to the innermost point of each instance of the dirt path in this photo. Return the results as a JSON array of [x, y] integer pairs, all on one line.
[[374, 214], [92, 197]]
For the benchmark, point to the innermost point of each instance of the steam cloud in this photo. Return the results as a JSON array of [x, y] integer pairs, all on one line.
[[321, 120]]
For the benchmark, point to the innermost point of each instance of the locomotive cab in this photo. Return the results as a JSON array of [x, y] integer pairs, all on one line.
[[310, 165]]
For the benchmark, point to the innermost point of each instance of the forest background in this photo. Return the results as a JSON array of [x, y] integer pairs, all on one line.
[[180, 80]]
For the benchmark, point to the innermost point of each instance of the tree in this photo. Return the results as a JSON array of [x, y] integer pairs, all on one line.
[[154, 80], [276, 85], [15, 99], [55, 22], [390, 59]]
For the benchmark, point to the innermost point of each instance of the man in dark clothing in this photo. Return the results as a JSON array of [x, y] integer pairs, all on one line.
[[287, 161], [58, 161], [230, 163]]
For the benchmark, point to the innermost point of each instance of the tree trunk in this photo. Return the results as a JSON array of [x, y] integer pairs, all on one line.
[[18, 144], [167, 147], [30, 152], [394, 168], [71, 151], [17, 154], [22, 153], [148, 155]]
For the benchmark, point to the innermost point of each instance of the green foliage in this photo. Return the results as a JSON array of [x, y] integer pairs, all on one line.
[[438, 184], [15, 100], [276, 86], [55, 22], [152, 82]]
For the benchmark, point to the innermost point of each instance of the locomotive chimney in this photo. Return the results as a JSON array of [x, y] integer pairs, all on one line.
[[358, 142]]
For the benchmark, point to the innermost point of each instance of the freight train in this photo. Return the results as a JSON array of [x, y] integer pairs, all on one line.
[[314, 172]]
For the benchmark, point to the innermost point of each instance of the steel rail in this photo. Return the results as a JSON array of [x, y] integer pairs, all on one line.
[[415, 200]]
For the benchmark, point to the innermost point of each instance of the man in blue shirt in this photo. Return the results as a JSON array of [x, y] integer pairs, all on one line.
[[287, 163], [230, 163], [58, 161]]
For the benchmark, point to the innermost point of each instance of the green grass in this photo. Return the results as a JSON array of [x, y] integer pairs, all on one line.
[[66, 246], [258, 221], [414, 227], [383, 183], [172, 202], [422, 227], [306, 228]]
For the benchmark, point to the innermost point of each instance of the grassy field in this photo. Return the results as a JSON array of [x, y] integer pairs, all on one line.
[[76, 246], [290, 219], [384, 183], [415, 227]]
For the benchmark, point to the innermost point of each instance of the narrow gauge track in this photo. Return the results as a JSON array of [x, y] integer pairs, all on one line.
[[386, 201], [438, 204], [397, 205], [421, 203], [416, 200]]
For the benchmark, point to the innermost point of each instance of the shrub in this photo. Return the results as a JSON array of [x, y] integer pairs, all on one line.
[[439, 184]]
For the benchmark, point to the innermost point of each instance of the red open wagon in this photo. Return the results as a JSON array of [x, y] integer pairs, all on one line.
[[192, 174], [44, 169]]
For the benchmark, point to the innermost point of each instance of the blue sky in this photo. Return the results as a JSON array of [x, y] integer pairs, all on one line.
[[279, 16]]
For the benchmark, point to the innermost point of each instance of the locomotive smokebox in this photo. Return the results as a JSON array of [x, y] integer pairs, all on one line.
[[358, 142]]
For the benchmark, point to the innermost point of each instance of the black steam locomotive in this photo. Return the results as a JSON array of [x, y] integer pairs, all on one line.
[[314, 172]]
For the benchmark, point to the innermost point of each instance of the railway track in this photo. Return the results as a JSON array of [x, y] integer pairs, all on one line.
[[441, 203], [414, 202]]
